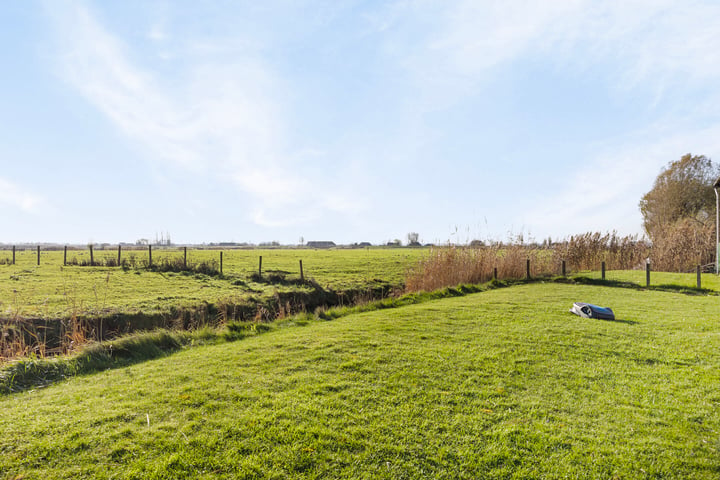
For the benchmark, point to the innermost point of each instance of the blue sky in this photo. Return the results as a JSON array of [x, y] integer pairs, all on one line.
[[345, 120]]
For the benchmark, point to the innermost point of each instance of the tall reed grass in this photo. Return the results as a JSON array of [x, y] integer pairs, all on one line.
[[680, 248], [456, 265], [587, 251]]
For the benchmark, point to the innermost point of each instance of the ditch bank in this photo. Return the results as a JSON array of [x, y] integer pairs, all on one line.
[[22, 337]]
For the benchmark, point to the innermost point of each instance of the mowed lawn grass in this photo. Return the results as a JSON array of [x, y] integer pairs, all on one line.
[[500, 384], [53, 291]]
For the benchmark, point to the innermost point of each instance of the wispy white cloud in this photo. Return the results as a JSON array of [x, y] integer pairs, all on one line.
[[13, 195], [221, 113], [606, 189], [656, 48], [96, 64], [663, 48], [189, 125], [670, 50], [640, 44], [157, 32], [220, 117]]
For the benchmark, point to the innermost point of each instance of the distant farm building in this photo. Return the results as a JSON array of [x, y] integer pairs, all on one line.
[[322, 244]]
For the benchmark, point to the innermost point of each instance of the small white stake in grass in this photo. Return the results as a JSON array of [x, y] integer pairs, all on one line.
[[148, 419]]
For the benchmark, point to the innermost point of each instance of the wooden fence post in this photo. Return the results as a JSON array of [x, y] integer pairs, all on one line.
[[302, 275], [527, 269], [647, 274], [495, 273], [602, 266], [260, 267], [92, 258], [564, 271], [185, 258], [149, 255], [699, 282], [221, 262], [38, 250], [119, 255], [65, 256], [13, 254]]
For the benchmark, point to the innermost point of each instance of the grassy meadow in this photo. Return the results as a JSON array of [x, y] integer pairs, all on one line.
[[500, 384], [52, 290]]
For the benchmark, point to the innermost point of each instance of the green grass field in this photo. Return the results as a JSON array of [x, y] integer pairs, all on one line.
[[53, 291], [500, 384]]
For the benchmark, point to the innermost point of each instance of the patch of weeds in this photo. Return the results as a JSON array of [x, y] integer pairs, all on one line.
[[239, 330], [276, 277]]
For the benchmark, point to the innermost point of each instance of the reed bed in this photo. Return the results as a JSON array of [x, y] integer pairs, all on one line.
[[23, 337], [587, 251], [682, 247], [455, 265]]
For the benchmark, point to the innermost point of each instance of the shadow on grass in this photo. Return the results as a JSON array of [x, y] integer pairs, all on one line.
[[619, 320], [621, 284], [28, 373], [684, 290], [278, 277]]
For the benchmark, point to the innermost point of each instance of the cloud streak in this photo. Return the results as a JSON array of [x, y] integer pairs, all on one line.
[[177, 124], [644, 42], [218, 119], [645, 48], [607, 189], [13, 195]]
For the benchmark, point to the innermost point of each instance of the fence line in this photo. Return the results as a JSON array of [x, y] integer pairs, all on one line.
[[150, 263], [495, 276]]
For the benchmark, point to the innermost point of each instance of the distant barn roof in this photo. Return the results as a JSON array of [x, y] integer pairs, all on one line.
[[320, 244]]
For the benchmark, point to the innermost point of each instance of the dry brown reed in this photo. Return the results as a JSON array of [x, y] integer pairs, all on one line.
[[455, 265], [23, 337], [12, 342], [587, 251], [679, 248], [683, 245]]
